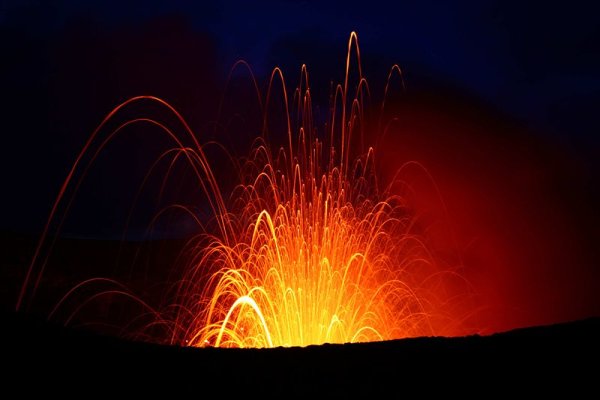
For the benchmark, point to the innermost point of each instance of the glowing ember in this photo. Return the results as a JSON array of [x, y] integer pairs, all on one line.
[[309, 251]]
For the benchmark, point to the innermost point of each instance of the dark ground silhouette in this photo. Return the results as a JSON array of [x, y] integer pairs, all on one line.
[[43, 357]]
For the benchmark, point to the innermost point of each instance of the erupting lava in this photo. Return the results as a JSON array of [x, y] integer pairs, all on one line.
[[317, 258], [309, 250]]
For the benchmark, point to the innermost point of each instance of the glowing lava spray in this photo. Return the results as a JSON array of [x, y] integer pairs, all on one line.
[[308, 250]]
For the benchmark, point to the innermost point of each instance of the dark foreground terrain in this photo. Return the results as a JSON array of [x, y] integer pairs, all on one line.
[[45, 358], [50, 360]]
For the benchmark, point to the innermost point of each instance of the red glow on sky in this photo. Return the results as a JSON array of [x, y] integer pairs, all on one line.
[[515, 211]]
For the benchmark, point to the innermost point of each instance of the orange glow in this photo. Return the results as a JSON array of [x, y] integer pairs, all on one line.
[[309, 250], [319, 258]]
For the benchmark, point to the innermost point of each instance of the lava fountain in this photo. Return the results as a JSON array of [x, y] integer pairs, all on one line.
[[308, 248]]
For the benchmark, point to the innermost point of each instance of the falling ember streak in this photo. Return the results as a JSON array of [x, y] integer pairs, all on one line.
[[310, 251]]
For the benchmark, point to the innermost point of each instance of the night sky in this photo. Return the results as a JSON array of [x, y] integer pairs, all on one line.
[[67, 63], [502, 103]]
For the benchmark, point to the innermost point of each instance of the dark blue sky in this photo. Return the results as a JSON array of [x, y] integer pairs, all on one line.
[[535, 63]]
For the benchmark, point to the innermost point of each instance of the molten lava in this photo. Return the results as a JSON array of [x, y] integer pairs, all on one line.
[[318, 258], [309, 250]]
